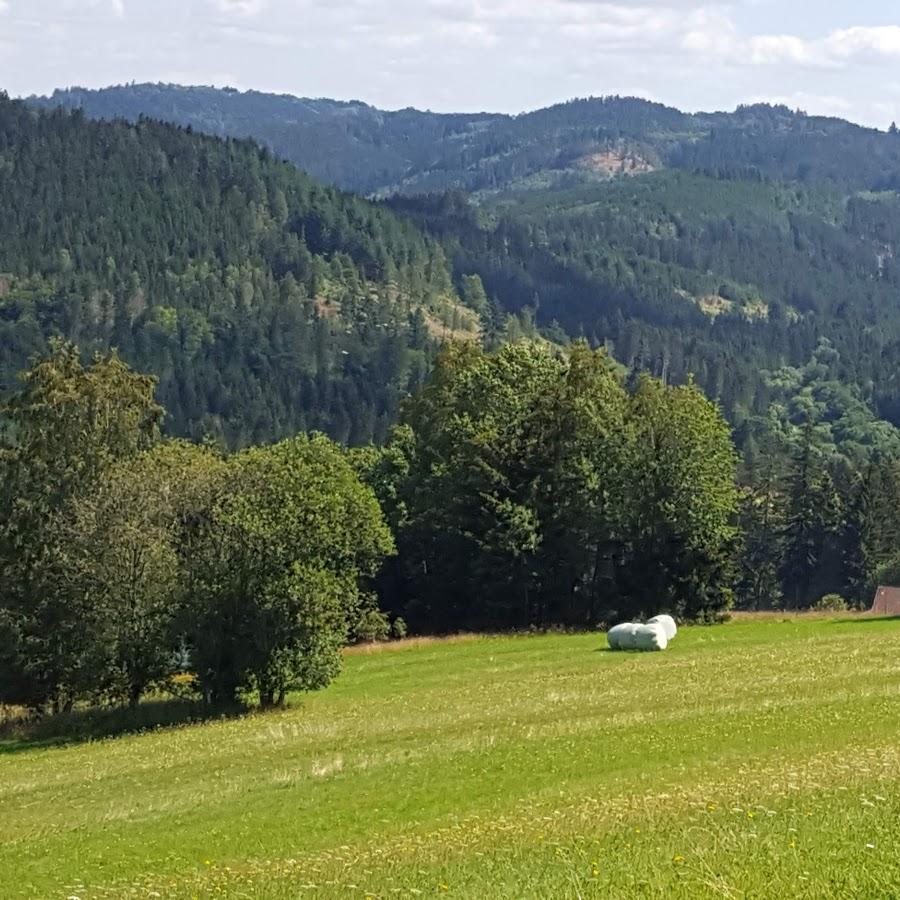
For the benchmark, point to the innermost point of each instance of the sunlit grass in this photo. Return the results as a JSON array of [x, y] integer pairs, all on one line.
[[758, 758]]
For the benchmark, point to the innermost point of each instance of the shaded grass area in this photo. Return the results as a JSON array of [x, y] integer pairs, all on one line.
[[21, 733], [745, 756]]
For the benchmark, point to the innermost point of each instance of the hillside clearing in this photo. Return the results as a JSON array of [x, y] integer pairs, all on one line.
[[759, 758]]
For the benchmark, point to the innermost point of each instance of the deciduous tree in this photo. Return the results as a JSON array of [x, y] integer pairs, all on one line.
[[276, 568], [66, 425]]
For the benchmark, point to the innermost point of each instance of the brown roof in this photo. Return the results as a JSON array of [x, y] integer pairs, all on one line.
[[887, 601]]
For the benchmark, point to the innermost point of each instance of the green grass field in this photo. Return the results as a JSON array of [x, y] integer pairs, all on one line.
[[754, 759]]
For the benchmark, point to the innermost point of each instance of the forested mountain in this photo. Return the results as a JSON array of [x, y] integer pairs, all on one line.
[[265, 303], [738, 245], [361, 148], [754, 252], [352, 145], [684, 274]]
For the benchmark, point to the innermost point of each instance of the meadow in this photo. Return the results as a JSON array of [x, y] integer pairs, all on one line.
[[760, 758]]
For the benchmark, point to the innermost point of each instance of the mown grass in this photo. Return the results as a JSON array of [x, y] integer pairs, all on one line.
[[754, 759]]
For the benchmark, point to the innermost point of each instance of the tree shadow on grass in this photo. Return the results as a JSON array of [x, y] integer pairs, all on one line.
[[80, 726], [866, 620]]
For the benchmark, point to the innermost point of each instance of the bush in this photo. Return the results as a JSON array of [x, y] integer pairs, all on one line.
[[183, 686], [399, 629], [832, 603], [888, 574], [373, 625]]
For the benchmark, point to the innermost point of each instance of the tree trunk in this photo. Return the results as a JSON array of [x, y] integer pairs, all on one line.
[[223, 692]]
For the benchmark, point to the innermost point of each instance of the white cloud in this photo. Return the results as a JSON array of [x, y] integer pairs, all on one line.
[[470, 33], [773, 49], [258, 36], [838, 48], [240, 8], [75, 8], [506, 55], [851, 43], [402, 40]]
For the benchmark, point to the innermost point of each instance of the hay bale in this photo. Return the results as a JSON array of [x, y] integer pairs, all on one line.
[[629, 636], [668, 624], [650, 637], [622, 636]]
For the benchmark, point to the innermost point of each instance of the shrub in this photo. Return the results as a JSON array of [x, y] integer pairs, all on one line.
[[399, 629], [888, 574], [183, 686], [832, 603], [373, 625]]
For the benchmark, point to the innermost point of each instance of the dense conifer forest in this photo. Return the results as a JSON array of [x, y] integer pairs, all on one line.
[[723, 245], [750, 256], [265, 303], [683, 274]]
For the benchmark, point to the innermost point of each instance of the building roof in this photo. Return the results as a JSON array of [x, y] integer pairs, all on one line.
[[887, 601]]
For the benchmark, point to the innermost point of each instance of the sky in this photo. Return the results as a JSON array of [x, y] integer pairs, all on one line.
[[833, 58]]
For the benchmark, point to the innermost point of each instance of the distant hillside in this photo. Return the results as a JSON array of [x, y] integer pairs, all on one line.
[[265, 303], [364, 149], [730, 247], [687, 274]]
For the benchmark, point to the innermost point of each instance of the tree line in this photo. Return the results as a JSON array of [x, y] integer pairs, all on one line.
[[815, 525], [529, 487], [522, 487]]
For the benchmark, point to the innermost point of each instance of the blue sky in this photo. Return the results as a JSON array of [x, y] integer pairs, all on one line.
[[510, 55]]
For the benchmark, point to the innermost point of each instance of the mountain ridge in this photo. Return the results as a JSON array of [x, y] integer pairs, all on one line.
[[62, 97], [359, 147]]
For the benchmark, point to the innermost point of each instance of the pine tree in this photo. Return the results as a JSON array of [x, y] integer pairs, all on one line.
[[812, 521]]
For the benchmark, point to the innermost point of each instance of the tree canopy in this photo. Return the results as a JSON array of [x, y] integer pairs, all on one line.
[[538, 491], [125, 559]]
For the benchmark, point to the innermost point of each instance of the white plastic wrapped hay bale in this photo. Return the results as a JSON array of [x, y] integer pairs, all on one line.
[[650, 637], [621, 637], [667, 623], [629, 636]]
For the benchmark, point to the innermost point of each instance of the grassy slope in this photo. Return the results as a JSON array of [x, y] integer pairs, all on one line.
[[759, 758]]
